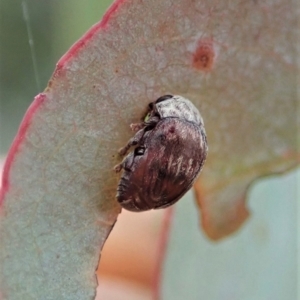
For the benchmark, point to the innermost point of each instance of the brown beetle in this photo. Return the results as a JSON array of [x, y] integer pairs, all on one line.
[[170, 150]]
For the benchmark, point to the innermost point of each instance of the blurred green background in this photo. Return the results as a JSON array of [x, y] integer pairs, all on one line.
[[54, 26]]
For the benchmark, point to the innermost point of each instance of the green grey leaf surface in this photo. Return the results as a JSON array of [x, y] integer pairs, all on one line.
[[258, 262]]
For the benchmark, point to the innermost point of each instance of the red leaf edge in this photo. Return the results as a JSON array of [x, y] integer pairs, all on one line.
[[38, 100], [88, 35]]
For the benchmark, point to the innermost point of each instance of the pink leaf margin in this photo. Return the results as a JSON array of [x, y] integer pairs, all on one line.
[[88, 35], [25, 124]]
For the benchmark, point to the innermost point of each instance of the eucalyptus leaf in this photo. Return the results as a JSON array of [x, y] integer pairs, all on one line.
[[235, 60]]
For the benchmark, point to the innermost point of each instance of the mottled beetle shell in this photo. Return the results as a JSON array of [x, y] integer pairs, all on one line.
[[170, 151]]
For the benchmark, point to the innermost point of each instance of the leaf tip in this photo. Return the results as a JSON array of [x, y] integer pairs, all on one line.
[[219, 223]]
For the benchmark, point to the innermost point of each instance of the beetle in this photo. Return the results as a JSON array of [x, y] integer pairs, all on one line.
[[170, 148]]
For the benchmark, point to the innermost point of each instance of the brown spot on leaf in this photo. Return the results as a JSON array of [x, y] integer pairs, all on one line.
[[204, 56]]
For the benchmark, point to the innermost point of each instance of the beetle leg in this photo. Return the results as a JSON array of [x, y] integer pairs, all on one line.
[[139, 135], [132, 142], [152, 121], [118, 167], [137, 126], [125, 164]]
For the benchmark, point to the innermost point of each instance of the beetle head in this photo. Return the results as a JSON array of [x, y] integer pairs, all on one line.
[[160, 99]]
